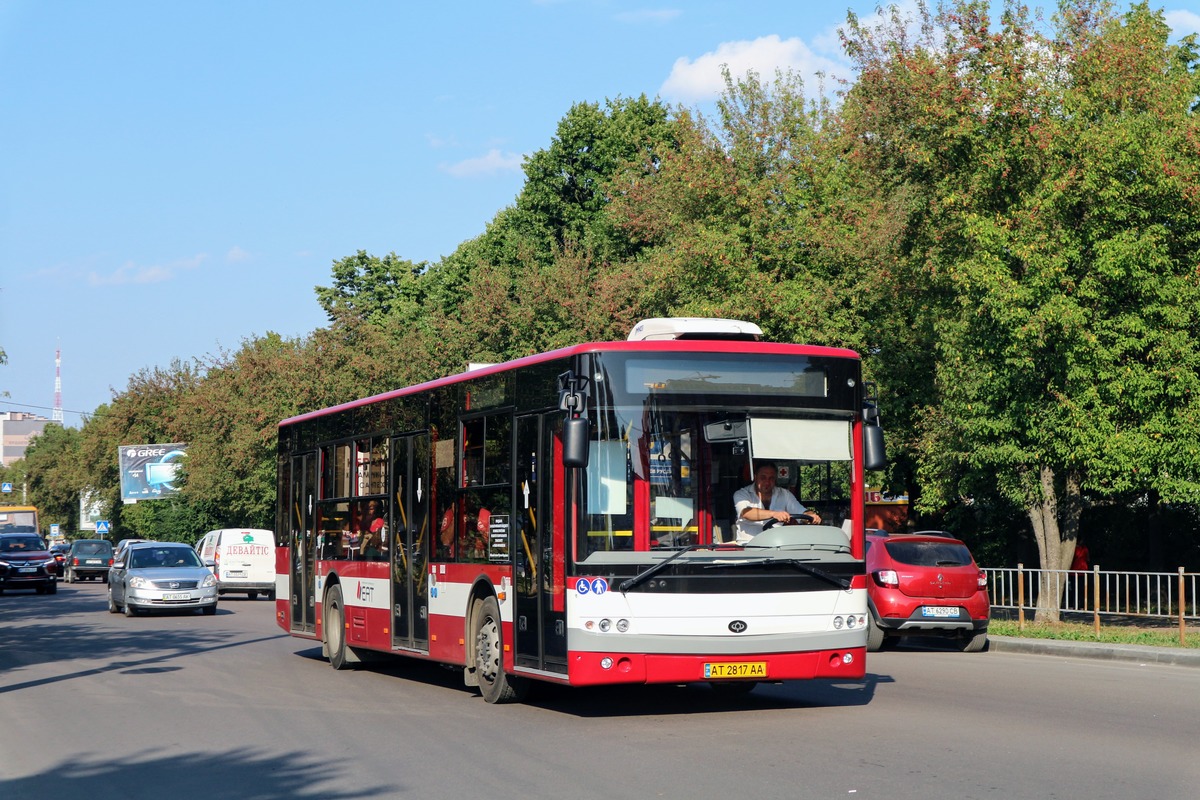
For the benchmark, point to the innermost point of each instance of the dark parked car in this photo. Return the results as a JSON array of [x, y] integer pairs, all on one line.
[[26, 563], [925, 584], [59, 551], [89, 558], [160, 575]]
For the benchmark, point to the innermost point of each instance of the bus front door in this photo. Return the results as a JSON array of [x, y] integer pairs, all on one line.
[[539, 616], [302, 541], [411, 541]]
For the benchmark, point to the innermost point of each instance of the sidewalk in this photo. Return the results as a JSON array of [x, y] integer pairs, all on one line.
[[1175, 656]]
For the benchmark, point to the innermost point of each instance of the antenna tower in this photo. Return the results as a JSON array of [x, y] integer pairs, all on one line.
[[58, 417]]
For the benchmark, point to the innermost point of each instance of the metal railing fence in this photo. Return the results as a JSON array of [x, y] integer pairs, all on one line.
[[1154, 595]]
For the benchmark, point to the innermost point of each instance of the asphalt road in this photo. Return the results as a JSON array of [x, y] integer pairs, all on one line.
[[98, 706]]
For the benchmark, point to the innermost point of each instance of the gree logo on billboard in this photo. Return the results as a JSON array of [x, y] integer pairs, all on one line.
[[149, 471]]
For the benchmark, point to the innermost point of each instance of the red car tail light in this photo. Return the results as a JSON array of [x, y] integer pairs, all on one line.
[[887, 577], [982, 579]]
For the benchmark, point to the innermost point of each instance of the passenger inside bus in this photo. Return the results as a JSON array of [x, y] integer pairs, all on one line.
[[371, 548]]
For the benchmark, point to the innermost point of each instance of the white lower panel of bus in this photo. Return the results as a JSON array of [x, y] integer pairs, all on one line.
[[717, 615], [579, 641]]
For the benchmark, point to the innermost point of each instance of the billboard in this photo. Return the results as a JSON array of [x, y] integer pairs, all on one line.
[[148, 471], [90, 510]]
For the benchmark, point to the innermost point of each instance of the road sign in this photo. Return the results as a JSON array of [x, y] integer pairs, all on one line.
[[102, 526], [54, 530], [5, 487]]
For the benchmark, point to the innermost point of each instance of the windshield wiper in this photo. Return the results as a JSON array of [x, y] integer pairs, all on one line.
[[650, 572], [816, 572]]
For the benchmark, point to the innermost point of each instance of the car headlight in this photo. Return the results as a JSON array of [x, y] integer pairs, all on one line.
[[209, 580], [50, 562], [138, 583], [5, 564]]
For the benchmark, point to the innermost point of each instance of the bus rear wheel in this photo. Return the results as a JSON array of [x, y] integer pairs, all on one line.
[[494, 684]]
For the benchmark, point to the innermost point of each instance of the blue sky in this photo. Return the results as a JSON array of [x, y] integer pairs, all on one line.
[[177, 177]]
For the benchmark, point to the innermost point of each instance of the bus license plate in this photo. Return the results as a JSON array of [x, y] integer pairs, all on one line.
[[736, 669], [177, 596], [940, 611]]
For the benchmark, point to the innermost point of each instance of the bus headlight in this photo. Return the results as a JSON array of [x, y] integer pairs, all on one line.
[[622, 625], [605, 625]]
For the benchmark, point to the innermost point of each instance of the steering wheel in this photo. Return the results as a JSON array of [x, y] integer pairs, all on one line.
[[792, 520]]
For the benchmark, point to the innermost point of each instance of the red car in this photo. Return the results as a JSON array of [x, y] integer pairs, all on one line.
[[925, 584], [25, 563]]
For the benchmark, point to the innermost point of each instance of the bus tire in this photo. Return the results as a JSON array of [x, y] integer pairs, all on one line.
[[341, 655], [494, 684], [875, 635]]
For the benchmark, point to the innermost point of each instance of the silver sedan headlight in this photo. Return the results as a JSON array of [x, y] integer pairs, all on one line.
[[138, 582], [209, 580]]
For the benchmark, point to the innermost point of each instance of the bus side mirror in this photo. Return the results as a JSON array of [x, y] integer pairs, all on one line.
[[575, 442], [874, 454]]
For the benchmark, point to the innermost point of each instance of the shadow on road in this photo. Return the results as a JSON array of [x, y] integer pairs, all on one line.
[[44, 629], [634, 700], [234, 774]]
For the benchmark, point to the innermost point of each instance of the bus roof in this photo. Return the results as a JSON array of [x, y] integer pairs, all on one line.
[[653, 346]]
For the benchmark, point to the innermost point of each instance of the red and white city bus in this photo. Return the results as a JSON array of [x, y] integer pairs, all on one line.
[[569, 517]]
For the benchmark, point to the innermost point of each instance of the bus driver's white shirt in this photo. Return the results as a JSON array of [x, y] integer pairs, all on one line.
[[747, 497]]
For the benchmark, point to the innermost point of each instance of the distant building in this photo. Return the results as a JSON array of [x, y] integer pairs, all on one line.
[[17, 430]]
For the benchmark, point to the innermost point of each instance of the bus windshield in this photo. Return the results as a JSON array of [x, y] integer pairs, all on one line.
[[18, 521], [667, 455]]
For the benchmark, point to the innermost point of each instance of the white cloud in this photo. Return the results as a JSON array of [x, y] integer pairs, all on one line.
[[648, 15], [131, 273], [237, 254], [1182, 22], [493, 163], [700, 79]]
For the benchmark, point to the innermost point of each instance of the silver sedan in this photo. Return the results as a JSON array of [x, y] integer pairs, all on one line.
[[160, 575]]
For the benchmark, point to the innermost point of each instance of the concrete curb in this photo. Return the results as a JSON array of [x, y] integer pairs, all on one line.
[[1179, 657]]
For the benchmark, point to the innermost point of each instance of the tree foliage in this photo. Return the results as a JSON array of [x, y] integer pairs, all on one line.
[[1052, 219]]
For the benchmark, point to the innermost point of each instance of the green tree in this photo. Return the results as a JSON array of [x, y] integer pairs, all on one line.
[[233, 414], [1052, 230], [52, 467], [488, 300], [747, 218], [377, 290]]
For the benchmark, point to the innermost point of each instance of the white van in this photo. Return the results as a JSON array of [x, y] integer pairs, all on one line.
[[243, 559]]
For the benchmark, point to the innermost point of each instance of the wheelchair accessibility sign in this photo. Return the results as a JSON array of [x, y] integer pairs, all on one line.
[[591, 586]]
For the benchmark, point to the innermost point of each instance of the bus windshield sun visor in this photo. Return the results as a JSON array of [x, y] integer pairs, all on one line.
[[799, 439]]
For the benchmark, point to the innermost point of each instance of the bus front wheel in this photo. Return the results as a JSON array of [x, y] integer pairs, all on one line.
[[494, 684], [340, 655]]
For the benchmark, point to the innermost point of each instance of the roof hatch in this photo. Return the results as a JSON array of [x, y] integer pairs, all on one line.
[[662, 328]]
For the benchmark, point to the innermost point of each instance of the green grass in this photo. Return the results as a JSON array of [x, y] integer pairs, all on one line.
[[1081, 632]]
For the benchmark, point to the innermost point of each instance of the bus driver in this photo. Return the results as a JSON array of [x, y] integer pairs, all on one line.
[[763, 500]]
